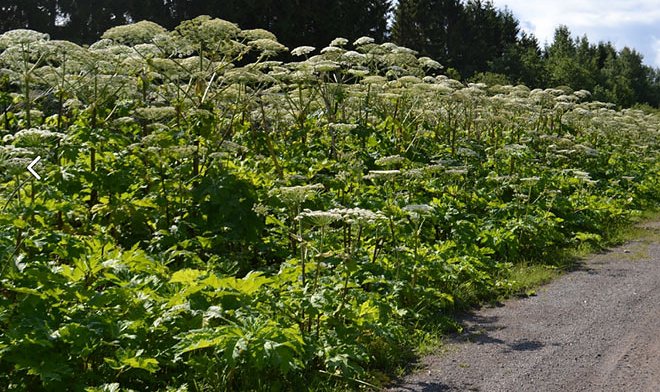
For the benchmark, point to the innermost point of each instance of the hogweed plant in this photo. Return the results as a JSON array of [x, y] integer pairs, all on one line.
[[213, 216]]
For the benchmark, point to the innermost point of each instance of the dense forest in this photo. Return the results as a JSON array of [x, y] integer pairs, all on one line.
[[474, 40]]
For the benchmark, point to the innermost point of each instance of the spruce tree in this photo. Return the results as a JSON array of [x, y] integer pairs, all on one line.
[[433, 27]]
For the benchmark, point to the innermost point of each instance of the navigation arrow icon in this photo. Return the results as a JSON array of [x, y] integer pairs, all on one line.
[[31, 170]]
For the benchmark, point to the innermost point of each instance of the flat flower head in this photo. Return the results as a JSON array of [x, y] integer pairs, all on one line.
[[267, 46], [156, 113], [408, 80], [332, 49], [220, 28], [339, 42], [326, 66], [302, 50], [21, 37], [146, 51], [419, 209], [582, 94], [388, 46], [255, 34], [383, 174], [374, 79], [207, 31], [142, 32], [353, 56], [295, 195], [390, 161], [404, 50], [174, 44], [358, 73], [358, 215], [35, 133], [429, 63], [108, 54], [363, 41], [319, 218], [59, 49], [15, 166]]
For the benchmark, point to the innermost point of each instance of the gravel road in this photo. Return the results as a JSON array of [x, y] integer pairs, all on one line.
[[593, 329]]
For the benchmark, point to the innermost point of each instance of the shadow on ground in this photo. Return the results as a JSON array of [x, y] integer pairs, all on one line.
[[479, 331], [427, 387]]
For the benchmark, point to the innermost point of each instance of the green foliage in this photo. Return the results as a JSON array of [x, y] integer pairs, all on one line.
[[619, 77], [210, 219]]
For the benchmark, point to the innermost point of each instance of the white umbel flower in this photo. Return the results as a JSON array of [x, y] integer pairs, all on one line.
[[385, 174], [302, 50], [142, 32], [363, 41], [419, 209], [295, 195], [21, 37], [319, 218], [339, 42], [268, 46], [427, 62]]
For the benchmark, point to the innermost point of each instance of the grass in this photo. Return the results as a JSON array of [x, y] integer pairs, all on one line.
[[527, 276], [638, 231]]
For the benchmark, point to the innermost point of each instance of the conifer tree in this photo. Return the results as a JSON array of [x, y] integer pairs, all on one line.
[[433, 27]]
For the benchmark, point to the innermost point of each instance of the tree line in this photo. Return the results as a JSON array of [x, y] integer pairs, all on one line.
[[473, 39]]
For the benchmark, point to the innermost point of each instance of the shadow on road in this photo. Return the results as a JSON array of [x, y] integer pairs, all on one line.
[[428, 387], [479, 330]]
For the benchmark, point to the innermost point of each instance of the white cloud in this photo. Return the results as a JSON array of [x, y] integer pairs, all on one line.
[[625, 23]]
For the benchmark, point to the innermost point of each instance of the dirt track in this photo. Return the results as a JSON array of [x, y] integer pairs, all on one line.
[[594, 329]]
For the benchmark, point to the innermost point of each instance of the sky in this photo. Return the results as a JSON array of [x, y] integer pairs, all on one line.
[[632, 23]]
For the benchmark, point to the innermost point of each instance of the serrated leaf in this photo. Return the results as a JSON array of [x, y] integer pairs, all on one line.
[[186, 275], [50, 369], [148, 364], [206, 338]]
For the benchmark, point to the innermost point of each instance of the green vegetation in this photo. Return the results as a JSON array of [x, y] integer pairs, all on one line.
[[525, 276], [211, 219]]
